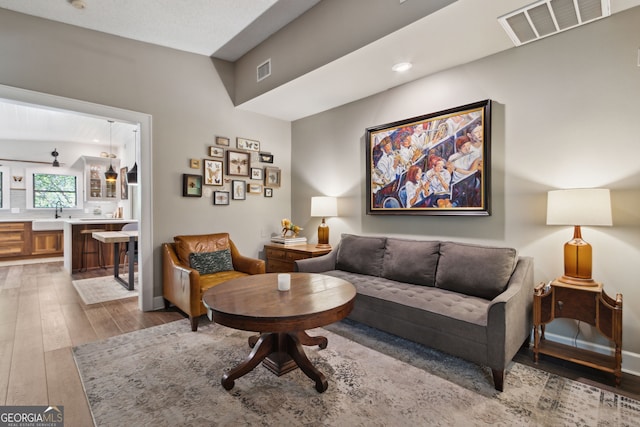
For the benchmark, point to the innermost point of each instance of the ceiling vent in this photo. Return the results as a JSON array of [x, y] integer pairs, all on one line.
[[264, 70], [548, 17]]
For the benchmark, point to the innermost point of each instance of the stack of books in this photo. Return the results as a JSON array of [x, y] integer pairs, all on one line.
[[289, 240]]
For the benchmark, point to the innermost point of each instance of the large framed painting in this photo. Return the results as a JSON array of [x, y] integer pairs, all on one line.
[[435, 164]]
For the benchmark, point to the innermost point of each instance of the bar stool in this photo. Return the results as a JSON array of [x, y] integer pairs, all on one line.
[[86, 238], [124, 252]]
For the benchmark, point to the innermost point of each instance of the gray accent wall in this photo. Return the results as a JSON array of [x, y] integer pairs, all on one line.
[[565, 113], [189, 106]]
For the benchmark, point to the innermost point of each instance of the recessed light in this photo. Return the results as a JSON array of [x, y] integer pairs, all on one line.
[[402, 66]]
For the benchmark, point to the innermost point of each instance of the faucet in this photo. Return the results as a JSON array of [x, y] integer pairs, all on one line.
[[58, 214]]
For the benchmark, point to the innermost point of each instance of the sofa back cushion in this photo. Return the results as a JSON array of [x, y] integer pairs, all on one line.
[[411, 261], [480, 271], [200, 243], [360, 254]]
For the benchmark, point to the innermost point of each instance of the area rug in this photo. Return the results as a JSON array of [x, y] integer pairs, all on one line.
[[168, 376], [102, 289]]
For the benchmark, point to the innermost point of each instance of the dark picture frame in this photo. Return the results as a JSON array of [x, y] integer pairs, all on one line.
[[268, 192], [191, 185], [266, 157], [124, 187], [238, 163], [220, 198], [257, 173], [238, 189], [216, 151], [434, 164]]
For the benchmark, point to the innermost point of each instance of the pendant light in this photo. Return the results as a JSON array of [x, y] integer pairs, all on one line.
[[110, 175], [132, 175], [55, 154]]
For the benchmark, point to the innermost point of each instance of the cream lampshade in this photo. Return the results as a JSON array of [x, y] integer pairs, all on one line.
[[323, 207], [583, 206]]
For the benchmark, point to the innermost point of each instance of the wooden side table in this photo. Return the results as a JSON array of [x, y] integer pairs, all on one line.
[[280, 258], [588, 304]]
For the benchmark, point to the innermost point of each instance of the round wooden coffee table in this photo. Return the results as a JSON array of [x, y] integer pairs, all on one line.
[[254, 303]]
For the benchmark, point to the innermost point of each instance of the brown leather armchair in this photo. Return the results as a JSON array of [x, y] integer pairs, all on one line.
[[183, 286]]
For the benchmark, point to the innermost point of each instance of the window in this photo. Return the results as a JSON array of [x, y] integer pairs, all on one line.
[[50, 191], [53, 188], [4, 188]]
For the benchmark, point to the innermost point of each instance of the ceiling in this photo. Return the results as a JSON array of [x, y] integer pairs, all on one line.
[[227, 29]]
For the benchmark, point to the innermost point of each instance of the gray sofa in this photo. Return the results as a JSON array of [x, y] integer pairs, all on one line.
[[472, 301]]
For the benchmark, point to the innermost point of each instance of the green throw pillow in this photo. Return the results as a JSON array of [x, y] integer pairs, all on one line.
[[211, 262]]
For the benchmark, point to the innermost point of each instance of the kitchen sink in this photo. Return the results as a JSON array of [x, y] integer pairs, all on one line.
[[47, 224]]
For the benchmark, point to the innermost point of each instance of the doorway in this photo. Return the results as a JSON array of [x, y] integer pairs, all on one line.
[[140, 210]]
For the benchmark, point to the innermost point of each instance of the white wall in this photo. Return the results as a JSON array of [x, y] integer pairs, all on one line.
[[564, 115], [189, 107]]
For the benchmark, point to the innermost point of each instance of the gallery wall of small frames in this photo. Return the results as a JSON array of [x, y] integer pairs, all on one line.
[[232, 173]]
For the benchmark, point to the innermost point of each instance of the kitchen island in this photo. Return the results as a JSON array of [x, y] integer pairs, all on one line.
[[74, 237]]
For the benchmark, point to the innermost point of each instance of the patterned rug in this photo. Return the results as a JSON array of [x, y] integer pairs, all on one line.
[[101, 289], [168, 376]]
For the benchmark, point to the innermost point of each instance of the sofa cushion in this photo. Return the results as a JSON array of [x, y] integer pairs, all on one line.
[[360, 254], [411, 261], [211, 262], [475, 270], [188, 244]]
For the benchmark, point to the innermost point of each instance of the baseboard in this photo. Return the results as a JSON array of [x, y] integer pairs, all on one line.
[[158, 303], [630, 360]]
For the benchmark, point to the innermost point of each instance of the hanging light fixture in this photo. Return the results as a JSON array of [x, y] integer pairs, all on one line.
[[132, 175], [110, 175], [55, 154]]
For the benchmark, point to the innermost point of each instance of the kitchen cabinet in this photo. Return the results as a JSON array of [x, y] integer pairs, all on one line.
[[13, 239], [48, 242], [96, 187]]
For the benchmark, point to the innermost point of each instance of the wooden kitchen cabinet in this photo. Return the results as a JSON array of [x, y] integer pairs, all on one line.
[[13, 239], [47, 242]]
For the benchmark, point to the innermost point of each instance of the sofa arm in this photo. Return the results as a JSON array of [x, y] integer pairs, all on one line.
[[510, 316], [319, 264], [180, 283]]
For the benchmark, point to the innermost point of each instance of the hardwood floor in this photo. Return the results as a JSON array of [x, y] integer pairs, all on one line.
[[42, 318]]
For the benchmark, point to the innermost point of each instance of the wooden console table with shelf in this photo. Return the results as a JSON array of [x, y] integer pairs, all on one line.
[[588, 304], [280, 258]]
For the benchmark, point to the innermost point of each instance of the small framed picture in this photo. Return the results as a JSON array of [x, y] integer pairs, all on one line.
[[239, 189], [124, 188], [194, 164], [266, 158], [222, 140], [247, 144], [213, 172], [268, 192], [257, 173], [238, 163], [271, 177], [220, 197], [216, 151], [254, 188], [191, 185]]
